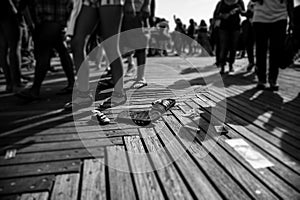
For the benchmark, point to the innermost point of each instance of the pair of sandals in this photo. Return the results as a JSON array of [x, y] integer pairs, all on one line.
[[158, 108]]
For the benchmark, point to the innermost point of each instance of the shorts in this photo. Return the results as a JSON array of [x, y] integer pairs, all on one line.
[[135, 39], [98, 3]]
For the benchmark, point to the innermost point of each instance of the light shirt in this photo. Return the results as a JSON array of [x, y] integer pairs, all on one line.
[[270, 11], [296, 3]]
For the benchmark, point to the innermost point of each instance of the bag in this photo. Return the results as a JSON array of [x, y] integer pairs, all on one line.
[[288, 51]]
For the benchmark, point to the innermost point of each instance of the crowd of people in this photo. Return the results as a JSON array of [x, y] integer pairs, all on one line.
[[48, 24]]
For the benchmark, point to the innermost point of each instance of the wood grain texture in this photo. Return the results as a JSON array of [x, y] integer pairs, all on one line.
[[146, 181], [120, 182], [35, 196], [66, 187], [164, 165], [93, 183]]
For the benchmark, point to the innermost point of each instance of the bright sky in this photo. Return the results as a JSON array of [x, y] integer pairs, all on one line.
[[186, 9]]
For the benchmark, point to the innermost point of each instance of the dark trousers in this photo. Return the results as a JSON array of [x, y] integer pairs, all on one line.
[[269, 36], [248, 40], [48, 36], [10, 50], [228, 44], [297, 27]]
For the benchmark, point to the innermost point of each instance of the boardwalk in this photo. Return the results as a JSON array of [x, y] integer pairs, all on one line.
[[222, 140]]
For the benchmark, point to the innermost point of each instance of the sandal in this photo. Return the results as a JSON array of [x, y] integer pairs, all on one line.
[[100, 117], [159, 107], [140, 118], [84, 100], [115, 100], [139, 84]]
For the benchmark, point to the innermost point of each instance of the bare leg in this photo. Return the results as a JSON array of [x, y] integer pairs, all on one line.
[[85, 24], [110, 21]]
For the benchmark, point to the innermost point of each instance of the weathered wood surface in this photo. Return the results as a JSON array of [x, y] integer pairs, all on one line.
[[181, 156]]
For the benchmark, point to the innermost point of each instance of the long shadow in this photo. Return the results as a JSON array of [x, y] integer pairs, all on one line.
[[21, 119]]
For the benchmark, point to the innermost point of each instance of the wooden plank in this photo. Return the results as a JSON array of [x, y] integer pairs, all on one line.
[[27, 158], [66, 187], [200, 184], [10, 197], [65, 137], [266, 102], [40, 169], [26, 185], [271, 180], [93, 183], [169, 176], [35, 196], [259, 113], [120, 182], [283, 167], [269, 102], [110, 129], [245, 178], [292, 151], [31, 148], [209, 165], [146, 182]]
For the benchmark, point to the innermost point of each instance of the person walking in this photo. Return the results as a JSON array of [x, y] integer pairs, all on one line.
[[49, 18], [10, 45], [228, 12], [108, 14], [270, 25]]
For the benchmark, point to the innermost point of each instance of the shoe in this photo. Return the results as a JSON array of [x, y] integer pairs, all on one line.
[[115, 100], [250, 67], [82, 100], [99, 117], [231, 68], [273, 88], [260, 86], [27, 94], [139, 84]]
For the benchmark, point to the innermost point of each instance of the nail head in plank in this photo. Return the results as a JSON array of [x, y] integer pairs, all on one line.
[[120, 182], [65, 187], [26, 184], [93, 183], [35, 196], [146, 182]]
